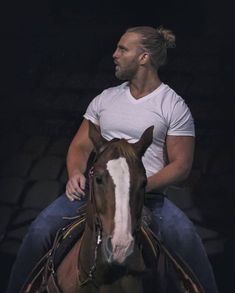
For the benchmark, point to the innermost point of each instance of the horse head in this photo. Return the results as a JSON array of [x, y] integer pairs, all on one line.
[[117, 187]]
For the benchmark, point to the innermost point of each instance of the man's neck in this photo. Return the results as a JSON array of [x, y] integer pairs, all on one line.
[[141, 87]]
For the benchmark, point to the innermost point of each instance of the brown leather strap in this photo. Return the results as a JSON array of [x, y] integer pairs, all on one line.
[[190, 279], [53, 285]]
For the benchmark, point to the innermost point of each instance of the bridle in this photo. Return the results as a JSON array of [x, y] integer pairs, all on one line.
[[97, 223], [98, 233]]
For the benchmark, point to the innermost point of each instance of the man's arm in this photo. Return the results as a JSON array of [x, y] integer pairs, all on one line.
[[77, 158], [180, 152]]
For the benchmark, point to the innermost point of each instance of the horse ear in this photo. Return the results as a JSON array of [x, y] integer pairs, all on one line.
[[95, 136], [144, 141]]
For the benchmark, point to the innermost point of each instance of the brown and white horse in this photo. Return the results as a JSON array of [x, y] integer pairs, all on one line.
[[108, 258], [111, 255]]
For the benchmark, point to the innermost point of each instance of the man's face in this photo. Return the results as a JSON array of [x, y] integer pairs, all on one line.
[[126, 56]]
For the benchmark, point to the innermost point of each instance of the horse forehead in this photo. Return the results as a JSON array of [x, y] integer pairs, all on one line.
[[120, 174], [113, 151], [102, 163], [118, 166], [109, 154]]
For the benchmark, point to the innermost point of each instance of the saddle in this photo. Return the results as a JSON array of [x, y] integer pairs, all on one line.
[[163, 264]]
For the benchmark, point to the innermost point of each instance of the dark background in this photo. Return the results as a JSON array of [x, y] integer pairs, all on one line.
[[55, 56]]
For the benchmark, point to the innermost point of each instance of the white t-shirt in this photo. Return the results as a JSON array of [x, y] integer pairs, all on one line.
[[120, 115]]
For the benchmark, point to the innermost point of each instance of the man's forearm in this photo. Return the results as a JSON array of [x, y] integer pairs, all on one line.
[[76, 161], [172, 173]]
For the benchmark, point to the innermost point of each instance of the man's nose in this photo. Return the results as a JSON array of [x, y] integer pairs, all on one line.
[[115, 54]]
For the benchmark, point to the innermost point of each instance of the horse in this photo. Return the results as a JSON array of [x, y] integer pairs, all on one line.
[[116, 250]]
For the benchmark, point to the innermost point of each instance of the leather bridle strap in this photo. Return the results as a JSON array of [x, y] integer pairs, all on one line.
[[98, 233]]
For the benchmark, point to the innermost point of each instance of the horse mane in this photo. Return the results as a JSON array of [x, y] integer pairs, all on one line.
[[126, 149]]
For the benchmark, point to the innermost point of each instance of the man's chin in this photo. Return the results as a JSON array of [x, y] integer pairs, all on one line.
[[119, 76]]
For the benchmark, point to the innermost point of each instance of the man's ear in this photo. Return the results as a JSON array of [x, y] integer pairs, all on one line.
[[95, 136], [144, 141], [144, 58]]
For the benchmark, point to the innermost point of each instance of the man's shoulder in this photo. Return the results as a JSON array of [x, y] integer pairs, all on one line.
[[169, 95], [114, 89]]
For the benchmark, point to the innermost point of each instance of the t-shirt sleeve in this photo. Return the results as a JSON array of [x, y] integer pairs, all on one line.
[[181, 122], [93, 110]]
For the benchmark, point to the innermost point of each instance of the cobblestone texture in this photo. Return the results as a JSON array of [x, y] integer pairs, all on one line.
[[48, 167], [17, 165], [41, 194], [11, 189]]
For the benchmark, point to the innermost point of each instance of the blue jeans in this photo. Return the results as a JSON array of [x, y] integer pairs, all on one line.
[[176, 231]]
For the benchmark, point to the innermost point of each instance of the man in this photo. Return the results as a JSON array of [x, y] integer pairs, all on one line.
[[126, 111]]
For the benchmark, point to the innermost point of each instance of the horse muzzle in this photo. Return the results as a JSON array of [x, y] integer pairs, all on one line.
[[116, 252]]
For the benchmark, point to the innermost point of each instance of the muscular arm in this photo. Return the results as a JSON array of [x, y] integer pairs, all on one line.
[[180, 152], [77, 157]]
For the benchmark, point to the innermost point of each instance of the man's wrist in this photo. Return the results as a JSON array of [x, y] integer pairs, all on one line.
[[75, 172]]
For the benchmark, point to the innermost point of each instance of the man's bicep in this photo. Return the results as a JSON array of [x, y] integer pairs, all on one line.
[[81, 138], [180, 148]]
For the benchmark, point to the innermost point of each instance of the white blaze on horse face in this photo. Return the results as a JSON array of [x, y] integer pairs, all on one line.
[[122, 240]]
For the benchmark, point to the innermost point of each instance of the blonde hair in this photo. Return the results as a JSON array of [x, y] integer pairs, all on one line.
[[155, 41]]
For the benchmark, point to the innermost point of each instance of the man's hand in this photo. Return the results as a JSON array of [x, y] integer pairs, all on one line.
[[75, 187]]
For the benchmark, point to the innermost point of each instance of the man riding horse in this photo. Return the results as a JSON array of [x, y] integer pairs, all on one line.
[[125, 111]]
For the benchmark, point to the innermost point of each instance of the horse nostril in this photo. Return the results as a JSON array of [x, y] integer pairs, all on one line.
[[107, 249], [109, 245]]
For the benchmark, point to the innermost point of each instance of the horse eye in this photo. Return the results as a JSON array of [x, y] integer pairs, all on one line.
[[98, 179]]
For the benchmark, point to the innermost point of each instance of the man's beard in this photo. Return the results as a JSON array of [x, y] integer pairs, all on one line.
[[124, 75]]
